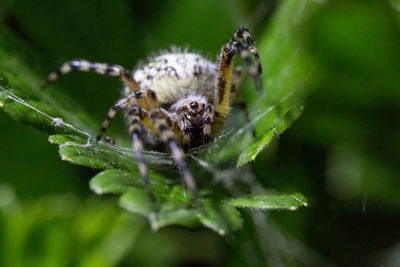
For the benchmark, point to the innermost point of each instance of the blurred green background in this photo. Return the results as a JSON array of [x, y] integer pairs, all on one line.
[[343, 153]]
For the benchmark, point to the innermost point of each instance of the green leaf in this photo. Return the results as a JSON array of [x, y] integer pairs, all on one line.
[[114, 182], [253, 150], [270, 202], [137, 201], [221, 218], [286, 74], [170, 215]]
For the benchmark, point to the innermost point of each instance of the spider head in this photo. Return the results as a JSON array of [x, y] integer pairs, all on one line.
[[191, 115]]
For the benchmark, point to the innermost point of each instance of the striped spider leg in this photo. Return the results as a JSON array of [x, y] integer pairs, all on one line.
[[228, 79]]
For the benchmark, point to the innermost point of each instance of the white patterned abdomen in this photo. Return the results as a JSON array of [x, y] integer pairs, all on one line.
[[174, 75]]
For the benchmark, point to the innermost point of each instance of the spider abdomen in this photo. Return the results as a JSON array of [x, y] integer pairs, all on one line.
[[174, 75]]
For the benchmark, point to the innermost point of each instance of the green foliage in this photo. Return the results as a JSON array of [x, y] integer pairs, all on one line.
[[46, 232], [290, 202], [252, 151]]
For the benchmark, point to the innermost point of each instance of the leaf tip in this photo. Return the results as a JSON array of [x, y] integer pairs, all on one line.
[[153, 222], [301, 199], [251, 152], [96, 189]]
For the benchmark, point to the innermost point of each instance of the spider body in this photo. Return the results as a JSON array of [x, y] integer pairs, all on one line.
[[184, 85], [173, 75], [181, 97]]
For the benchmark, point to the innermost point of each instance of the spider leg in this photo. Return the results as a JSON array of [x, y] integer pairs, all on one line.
[[163, 126], [184, 124], [208, 120], [121, 104], [242, 36], [145, 98], [99, 68], [243, 33], [222, 91], [135, 116], [251, 69], [225, 66]]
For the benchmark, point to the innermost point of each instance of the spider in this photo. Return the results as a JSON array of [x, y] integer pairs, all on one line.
[[179, 97]]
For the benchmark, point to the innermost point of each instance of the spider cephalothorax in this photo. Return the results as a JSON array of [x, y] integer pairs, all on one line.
[[193, 116], [179, 96]]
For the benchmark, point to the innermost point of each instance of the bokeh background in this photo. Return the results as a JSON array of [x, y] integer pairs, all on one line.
[[343, 153]]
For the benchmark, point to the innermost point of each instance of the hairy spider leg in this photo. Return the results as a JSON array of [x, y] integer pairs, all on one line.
[[251, 69], [244, 33], [122, 103], [135, 116], [208, 121], [242, 36], [223, 88], [184, 125], [162, 123], [99, 68], [145, 98], [225, 66]]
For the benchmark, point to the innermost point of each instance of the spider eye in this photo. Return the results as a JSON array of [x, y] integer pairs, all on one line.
[[184, 108], [193, 104]]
